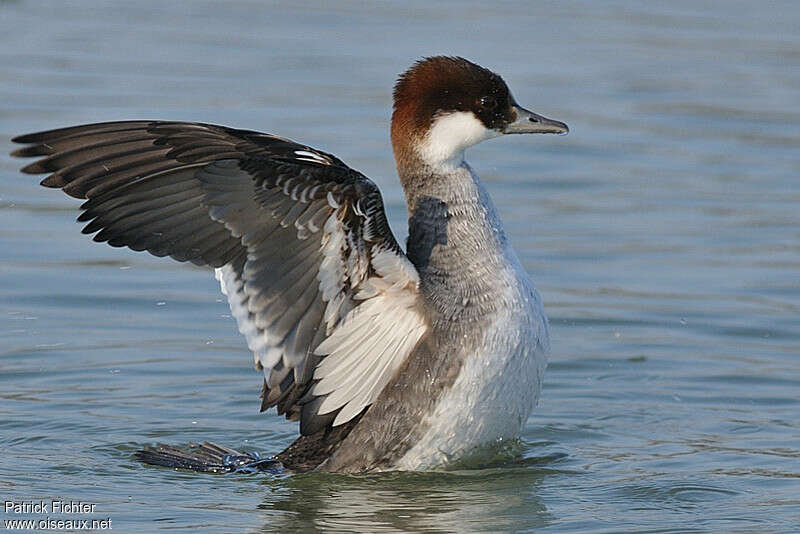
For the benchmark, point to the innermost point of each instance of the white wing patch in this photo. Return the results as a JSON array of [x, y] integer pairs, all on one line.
[[367, 348], [364, 350]]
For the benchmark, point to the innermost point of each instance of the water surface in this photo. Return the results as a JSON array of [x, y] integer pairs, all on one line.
[[662, 234]]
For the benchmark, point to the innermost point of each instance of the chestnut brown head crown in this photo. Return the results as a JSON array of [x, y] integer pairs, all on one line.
[[442, 84], [443, 105]]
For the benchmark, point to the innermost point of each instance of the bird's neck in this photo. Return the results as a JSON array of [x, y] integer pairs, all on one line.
[[456, 240]]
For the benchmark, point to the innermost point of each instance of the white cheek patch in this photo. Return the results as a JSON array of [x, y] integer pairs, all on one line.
[[451, 134]]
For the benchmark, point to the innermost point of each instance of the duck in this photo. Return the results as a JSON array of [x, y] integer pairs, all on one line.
[[389, 359]]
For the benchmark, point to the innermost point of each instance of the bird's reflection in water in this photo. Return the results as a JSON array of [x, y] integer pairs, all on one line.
[[499, 499]]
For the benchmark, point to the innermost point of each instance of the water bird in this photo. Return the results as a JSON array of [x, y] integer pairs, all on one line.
[[389, 360]]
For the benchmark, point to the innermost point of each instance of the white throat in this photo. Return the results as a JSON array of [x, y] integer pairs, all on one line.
[[449, 136]]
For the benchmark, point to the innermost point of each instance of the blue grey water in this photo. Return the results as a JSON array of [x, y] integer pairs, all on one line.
[[663, 234]]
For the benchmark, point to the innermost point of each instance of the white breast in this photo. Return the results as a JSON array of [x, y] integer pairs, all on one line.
[[495, 390]]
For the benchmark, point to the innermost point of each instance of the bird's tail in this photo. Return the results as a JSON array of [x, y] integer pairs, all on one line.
[[208, 457]]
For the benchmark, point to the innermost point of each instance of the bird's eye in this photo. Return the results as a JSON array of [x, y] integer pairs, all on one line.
[[488, 102]]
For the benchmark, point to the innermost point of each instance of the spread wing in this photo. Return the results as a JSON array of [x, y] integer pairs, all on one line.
[[318, 285]]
